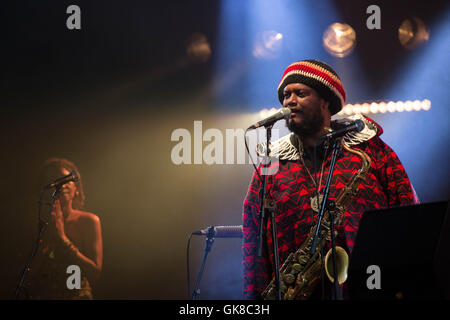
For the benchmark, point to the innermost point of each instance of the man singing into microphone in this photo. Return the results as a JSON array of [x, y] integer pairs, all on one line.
[[314, 92]]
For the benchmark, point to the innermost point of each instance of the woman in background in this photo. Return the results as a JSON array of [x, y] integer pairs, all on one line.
[[72, 237]]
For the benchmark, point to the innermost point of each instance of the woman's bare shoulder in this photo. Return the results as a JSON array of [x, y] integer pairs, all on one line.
[[88, 217]]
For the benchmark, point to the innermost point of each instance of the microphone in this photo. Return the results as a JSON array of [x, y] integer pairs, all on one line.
[[356, 125], [72, 176], [221, 232], [282, 113]]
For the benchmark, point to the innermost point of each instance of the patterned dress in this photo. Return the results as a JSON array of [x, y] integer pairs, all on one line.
[[291, 186]]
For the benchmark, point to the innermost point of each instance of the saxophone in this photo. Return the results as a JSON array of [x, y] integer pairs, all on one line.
[[301, 271]]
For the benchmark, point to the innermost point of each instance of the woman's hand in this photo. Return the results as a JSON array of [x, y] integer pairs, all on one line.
[[58, 220]]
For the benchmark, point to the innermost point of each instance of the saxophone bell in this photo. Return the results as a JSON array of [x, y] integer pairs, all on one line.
[[341, 265]]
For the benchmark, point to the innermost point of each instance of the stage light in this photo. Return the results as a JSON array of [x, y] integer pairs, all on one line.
[[198, 48], [365, 108], [408, 106], [412, 33], [391, 106], [426, 104], [373, 107], [339, 39], [267, 44], [417, 105], [347, 109], [383, 107]]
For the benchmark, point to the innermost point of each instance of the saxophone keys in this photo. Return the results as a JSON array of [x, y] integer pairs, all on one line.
[[315, 204], [303, 259], [296, 268], [328, 236], [290, 295], [288, 278]]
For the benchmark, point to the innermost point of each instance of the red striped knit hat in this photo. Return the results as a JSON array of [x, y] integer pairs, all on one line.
[[319, 76]]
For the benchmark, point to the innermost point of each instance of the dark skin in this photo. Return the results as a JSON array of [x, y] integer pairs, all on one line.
[[309, 112], [82, 228]]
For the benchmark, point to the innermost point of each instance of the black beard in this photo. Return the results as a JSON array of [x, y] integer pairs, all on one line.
[[309, 128]]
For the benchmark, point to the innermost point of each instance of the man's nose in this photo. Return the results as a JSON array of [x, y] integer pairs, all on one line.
[[291, 101]]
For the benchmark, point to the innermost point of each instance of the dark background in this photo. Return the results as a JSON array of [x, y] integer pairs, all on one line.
[[109, 96]]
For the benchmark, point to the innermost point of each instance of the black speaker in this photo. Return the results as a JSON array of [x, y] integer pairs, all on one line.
[[402, 253]]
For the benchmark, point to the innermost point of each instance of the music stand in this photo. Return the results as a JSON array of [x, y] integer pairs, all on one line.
[[410, 245]]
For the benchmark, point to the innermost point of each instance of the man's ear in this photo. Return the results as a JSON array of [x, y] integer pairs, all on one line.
[[324, 104]]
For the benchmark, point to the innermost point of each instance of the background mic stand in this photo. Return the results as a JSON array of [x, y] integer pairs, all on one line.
[[325, 203], [270, 206], [209, 243], [41, 231]]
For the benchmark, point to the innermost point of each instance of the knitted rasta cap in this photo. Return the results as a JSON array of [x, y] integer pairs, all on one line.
[[319, 76]]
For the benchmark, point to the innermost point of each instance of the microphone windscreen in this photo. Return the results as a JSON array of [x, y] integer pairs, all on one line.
[[359, 125], [286, 112], [228, 232], [75, 176]]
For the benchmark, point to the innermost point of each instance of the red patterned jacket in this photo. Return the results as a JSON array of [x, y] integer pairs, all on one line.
[[291, 187]]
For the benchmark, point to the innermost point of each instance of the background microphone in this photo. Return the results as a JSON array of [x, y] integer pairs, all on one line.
[[282, 113], [356, 125], [221, 232], [72, 176]]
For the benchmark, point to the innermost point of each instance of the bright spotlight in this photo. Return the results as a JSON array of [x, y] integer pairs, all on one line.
[[391, 106], [267, 44], [382, 107], [339, 39], [412, 33], [348, 109], [374, 107], [426, 104]]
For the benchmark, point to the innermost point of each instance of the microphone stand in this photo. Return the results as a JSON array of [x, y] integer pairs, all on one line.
[[35, 248], [209, 243], [271, 209], [331, 206]]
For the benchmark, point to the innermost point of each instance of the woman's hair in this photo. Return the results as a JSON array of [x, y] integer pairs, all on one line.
[[51, 170]]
